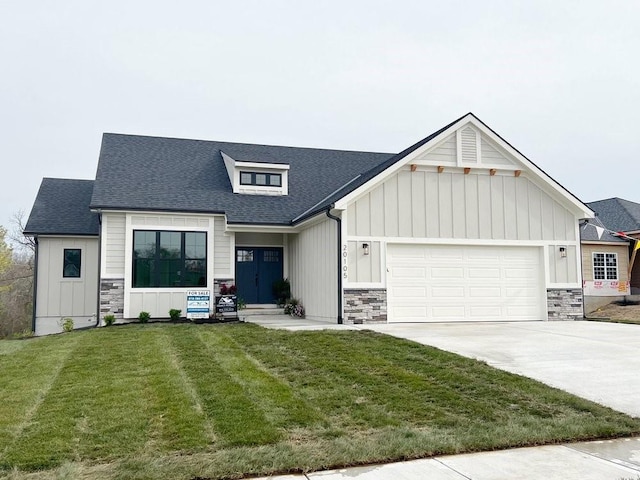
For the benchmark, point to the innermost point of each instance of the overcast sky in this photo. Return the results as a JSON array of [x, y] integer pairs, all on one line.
[[559, 80]]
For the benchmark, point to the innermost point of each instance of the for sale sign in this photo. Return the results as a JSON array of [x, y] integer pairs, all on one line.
[[198, 303]]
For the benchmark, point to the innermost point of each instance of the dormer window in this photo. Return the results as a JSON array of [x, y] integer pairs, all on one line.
[[257, 178], [261, 179]]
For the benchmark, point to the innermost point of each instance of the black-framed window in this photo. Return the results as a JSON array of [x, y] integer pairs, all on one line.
[[72, 263], [169, 259], [261, 179]]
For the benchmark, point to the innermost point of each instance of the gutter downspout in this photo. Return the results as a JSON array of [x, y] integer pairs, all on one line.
[[35, 284], [99, 269], [339, 226]]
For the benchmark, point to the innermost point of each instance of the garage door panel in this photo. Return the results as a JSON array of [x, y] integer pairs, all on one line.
[[489, 273], [464, 283], [485, 312], [447, 312], [447, 272], [485, 292], [447, 292]]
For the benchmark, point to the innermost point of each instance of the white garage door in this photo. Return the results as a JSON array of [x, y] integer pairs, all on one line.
[[443, 283]]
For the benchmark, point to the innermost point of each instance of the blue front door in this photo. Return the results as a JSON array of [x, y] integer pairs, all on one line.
[[256, 270]]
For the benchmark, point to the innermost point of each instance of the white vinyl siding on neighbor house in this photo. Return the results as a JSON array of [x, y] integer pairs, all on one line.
[[313, 270], [464, 283], [58, 296]]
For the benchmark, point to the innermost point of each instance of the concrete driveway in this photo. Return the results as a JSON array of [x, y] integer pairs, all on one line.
[[594, 360]]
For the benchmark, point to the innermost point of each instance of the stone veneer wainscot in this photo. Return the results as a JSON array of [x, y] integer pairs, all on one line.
[[365, 306], [564, 304]]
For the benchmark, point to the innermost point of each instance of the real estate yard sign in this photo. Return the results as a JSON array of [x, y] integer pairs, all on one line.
[[198, 303]]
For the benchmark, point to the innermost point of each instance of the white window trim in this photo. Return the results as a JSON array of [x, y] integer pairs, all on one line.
[[604, 266]]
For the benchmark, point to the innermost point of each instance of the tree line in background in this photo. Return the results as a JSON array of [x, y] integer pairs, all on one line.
[[17, 254]]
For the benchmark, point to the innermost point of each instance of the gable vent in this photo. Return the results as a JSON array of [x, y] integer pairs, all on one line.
[[469, 147]]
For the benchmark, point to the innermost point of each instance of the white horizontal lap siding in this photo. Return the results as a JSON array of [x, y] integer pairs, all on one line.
[[222, 252], [113, 244], [431, 283]]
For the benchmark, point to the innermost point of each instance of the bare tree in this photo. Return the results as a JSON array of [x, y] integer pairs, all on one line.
[[16, 236]]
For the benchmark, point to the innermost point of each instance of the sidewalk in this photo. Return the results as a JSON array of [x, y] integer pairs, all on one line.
[[599, 460]]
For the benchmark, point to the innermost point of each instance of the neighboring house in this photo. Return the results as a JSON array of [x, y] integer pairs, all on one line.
[[605, 263], [458, 227], [622, 216]]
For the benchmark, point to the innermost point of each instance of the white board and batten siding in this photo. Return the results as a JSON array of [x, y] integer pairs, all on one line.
[[117, 248], [313, 269], [59, 297], [490, 224]]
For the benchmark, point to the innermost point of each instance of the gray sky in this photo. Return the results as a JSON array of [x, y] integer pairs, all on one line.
[[559, 80]]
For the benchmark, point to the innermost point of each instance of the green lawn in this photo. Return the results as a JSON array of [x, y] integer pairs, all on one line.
[[222, 401]]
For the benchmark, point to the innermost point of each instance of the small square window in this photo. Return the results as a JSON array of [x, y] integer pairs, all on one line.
[[245, 178], [274, 180], [72, 263], [244, 256], [261, 178]]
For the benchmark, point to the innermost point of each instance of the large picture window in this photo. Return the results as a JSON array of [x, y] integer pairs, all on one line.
[[169, 259], [605, 266]]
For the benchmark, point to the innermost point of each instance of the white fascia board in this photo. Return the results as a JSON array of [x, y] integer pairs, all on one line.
[[244, 227], [344, 201], [264, 166]]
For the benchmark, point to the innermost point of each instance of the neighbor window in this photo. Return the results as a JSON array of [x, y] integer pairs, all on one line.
[[261, 179], [71, 263], [169, 259], [605, 266]]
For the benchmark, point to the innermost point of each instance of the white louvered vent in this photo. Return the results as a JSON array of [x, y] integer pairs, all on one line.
[[469, 147]]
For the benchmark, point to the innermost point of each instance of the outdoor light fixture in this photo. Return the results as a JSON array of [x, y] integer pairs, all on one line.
[[365, 247], [563, 251]]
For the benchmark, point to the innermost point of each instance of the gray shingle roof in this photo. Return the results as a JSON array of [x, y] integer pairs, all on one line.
[[62, 208], [618, 214], [589, 234], [168, 174]]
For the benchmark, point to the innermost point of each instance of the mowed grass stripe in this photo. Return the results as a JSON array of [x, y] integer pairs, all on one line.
[[26, 377], [237, 420], [95, 409], [176, 421], [331, 380], [281, 404]]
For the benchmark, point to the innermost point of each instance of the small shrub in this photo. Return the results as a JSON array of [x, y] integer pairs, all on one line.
[[174, 314], [294, 308], [109, 320], [144, 317], [240, 303], [281, 291], [67, 324]]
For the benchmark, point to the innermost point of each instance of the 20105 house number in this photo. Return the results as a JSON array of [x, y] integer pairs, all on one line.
[[345, 261]]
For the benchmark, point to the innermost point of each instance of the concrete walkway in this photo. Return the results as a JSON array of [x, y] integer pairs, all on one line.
[[597, 361], [606, 460]]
